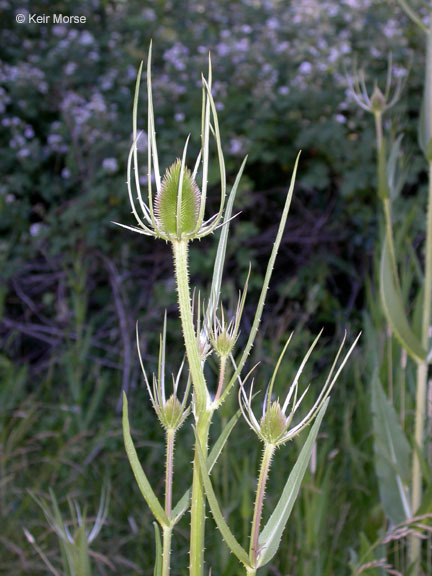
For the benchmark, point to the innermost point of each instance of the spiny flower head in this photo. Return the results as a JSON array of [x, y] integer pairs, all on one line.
[[78, 527], [275, 425], [177, 202], [177, 211], [172, 412], [223, 335], [379, 101]]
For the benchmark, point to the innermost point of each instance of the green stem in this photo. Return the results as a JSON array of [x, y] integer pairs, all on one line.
[[196, 560], [166, 550], [259, 501], [378, 130], [180, 251], [203, 415], [384, 191], [167, 530], [221, 380], [250, 572], [428, 269], [170, 438], [422, 374]]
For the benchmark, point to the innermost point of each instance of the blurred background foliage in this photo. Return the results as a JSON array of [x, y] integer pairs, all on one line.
[[73, 285]]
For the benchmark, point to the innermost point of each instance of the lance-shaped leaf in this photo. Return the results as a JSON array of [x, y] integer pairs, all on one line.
[[270, 537], [183, 503], [231, 541], [394, 309], [392, 456], [140, 476], [158, 564], [396, 169], [221, 250], [270, 265]]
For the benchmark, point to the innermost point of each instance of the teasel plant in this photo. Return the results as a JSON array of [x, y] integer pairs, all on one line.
[[176, 213], [415, 343], [75, 534]]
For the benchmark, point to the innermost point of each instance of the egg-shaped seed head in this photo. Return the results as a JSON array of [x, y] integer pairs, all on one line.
[[377, 100], [166, 203], [172, 412], [273, 424], [223, 343]]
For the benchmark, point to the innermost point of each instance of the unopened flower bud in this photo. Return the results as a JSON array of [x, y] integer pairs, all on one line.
[[273, 424], [172, 412], [223, 343], [378, 101]]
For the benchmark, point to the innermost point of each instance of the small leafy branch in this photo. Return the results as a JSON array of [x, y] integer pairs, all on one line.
[[176, 213]]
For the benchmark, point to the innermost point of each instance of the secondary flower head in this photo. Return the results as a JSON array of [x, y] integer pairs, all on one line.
[[177, 210], [73, 530], [223, 335], [172, 412], [378, 102], [275, 425]]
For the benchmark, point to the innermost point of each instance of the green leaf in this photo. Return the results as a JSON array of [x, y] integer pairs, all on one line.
[[392, 456], [140, 477], [158, 564], [270, 537], [221, 441], [221, 250], [270, 265], [367, 555], [394, 309], [225, 530], [396, 170], [426, 505], [183, 503]]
